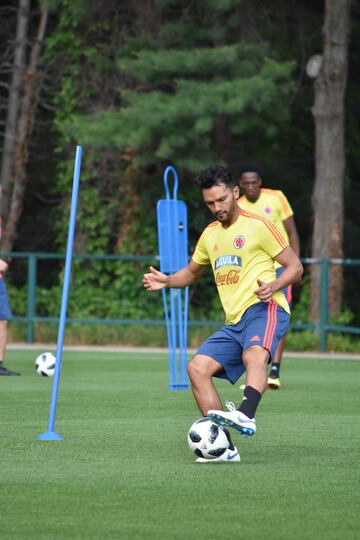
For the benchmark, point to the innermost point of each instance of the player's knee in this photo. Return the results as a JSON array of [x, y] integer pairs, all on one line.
[[256, 355], [3, 325], [196, 369], [193, 370]]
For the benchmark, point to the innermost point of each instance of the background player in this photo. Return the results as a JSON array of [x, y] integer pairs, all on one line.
[[241, 248], [5, 316], [273, 205]]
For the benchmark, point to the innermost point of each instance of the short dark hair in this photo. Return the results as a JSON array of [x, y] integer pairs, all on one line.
[[250, 167], [213, 176]]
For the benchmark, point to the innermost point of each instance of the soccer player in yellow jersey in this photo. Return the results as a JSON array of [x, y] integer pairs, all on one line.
[[272, 204], [241, 248]]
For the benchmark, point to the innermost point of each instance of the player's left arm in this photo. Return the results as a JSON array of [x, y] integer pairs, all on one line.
[[292, 273], [290, 227]]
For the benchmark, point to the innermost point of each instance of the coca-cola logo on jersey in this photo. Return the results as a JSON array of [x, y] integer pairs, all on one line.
[[230, 278], [239, 241]]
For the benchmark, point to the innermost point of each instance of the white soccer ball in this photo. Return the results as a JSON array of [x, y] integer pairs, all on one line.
[[45, 364], [207, 439]]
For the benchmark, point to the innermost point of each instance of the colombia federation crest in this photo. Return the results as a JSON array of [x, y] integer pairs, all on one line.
[[239, 241]]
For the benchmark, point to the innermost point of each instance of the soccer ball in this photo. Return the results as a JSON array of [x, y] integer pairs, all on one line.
[[207, 439], [45, 364]]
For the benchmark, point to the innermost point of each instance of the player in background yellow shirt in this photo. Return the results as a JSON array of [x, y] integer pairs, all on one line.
[[241, 248], [272, 204]]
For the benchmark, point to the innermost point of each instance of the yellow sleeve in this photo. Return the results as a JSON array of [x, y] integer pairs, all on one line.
[[200, 255], [271, 239], [285, 208]]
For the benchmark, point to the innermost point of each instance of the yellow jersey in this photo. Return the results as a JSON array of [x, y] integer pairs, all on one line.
[[240, 255], [271, 204]]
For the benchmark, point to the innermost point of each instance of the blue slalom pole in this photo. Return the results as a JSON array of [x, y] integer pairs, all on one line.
[[173, 371], [50, 434], [183, 348], [169, 338]]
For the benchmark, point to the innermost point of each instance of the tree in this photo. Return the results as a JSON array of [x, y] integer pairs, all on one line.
[[144, 82], [13, 105], [184, 95], [330, 74], [22, 115]]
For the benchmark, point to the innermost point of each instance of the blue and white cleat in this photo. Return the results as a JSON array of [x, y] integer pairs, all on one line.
[[235, 419], [229, 456]]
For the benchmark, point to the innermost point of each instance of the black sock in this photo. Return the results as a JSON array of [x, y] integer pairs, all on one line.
[[275, 371], [250, 401]]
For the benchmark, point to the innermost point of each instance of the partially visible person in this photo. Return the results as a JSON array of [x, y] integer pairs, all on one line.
[[273, 205], [5, 316]]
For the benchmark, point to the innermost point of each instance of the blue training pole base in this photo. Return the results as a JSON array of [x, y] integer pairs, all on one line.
[[49, 436], [178, 386]]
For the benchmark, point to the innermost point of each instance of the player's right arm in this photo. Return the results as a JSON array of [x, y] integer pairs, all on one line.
[[155, 280]]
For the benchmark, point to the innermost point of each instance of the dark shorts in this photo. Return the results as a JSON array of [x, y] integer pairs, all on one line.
[[5, 311], [287, 291], [263, 324]]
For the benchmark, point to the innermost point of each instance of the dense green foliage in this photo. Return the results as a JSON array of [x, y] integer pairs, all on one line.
[[141, 85], [124, 471], [238, 85]]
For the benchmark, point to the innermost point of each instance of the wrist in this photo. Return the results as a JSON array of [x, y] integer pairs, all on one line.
[[273, 287]]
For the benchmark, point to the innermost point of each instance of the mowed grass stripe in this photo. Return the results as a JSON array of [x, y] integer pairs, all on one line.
[[124, 470]]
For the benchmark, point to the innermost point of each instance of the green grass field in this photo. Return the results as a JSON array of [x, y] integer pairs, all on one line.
[[124, 470]]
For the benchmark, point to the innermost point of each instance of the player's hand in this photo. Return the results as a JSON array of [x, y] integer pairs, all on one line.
[[264, 292], [3, 266], [155, 280]]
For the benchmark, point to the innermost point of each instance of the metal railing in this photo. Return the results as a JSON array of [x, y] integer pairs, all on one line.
[[323, 327]]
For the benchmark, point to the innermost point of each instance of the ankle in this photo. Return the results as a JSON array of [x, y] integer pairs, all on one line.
[[275, 370], [250, 402]]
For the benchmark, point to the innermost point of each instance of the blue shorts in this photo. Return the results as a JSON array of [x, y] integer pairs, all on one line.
[[287, 291], [262, 324], [5, 311]]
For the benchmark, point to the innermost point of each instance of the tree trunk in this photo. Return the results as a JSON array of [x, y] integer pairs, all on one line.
[[23, 133], [14, 105], [328, 111]]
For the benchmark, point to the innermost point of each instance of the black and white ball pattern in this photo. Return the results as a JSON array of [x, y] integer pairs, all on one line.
[[207, 439], [45, 364]]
